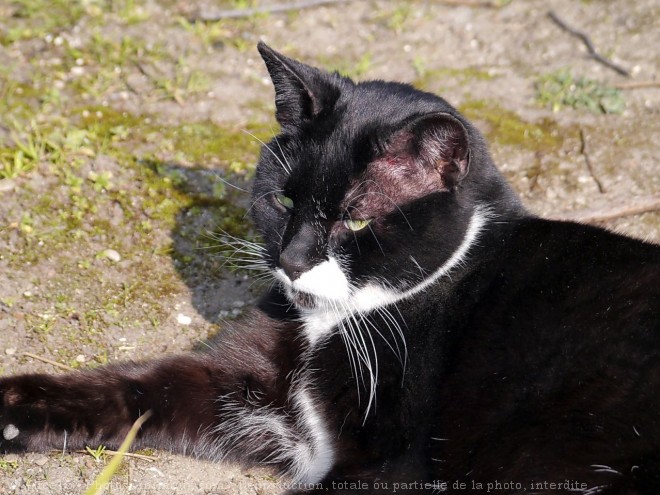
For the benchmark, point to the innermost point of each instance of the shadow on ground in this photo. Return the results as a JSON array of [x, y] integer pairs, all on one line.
[[217, 208]]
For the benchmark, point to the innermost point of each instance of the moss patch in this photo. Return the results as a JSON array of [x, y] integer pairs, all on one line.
[[427, 78], [505, 127], [38, 18]]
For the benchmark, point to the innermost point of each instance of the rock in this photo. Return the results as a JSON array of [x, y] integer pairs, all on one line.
[[111, 254], [183, 319]]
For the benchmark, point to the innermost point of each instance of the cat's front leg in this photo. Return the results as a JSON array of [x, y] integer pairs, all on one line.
[[40, 412], [248, 399]]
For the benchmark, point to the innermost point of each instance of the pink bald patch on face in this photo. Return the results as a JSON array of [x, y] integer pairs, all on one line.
[[428, 155], [387, 184]]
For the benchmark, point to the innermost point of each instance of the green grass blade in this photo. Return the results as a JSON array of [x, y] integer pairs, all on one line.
[[108, 472]]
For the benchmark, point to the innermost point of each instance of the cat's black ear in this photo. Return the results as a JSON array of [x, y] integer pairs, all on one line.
[[301, 92], [437, 140]]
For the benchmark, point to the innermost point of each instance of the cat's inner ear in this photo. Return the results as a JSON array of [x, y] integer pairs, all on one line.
[[302, 92], [437, 142]]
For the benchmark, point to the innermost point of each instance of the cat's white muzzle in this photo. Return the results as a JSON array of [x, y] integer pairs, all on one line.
[[325, 282]]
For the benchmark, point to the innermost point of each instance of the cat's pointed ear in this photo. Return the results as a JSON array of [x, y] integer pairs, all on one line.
[[301, 92], [436, 141]]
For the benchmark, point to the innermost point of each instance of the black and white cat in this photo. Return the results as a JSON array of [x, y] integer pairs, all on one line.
[[426, 334]]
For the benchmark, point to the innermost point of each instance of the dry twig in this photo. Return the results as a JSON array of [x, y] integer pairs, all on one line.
[[587, 42], [212, 16], [637, 85], [217, 15], [644, 205], [49, 361], [142, 457], [472, 3], [585, 153], [158, 84]]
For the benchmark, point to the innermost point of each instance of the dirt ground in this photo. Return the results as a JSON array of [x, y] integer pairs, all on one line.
[[120, 120]]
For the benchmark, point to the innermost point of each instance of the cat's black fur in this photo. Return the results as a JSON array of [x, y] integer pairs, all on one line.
[[467, 343]]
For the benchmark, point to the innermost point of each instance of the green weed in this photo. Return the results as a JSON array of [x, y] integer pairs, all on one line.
[[27, 151], [349, 68], [113, 466], [8, 466], [399, 17], [561, 89], [211, 34], [96, 453]]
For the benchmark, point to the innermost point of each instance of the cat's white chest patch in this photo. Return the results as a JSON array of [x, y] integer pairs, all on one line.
[[320, 323], [312, 460]]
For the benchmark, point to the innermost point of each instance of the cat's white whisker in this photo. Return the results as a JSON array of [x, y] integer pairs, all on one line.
[[376, 239], [350, 332], [351, 327], [386, 196], [261, 196], [372, 233], [370, 323], [226, 182], [351, 351], [422, 271], [600, 468], [266, 147], [366, 360], [277, 141], [392, 326], [241, 253]]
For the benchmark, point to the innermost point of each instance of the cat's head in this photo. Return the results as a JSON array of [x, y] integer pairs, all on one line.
[[370, 189]]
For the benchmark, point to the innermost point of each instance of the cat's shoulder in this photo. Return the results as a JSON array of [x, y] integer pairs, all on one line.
[[566, 240]]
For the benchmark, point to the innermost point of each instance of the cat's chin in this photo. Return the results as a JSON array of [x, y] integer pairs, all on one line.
[[303, 300]]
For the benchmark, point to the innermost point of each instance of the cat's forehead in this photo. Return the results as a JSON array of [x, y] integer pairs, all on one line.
[[323, 168]]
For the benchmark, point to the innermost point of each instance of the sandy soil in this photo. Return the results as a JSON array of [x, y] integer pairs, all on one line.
[[134, 111]]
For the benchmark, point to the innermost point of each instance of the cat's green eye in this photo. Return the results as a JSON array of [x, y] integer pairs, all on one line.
[[356, 225], [284, 201]]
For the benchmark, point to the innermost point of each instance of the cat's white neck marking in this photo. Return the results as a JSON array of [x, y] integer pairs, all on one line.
[[319, 323]]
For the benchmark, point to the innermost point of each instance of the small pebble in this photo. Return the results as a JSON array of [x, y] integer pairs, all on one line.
[[112, 255], [10, 351], [80, 358], [41, 460], [183, 319]]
